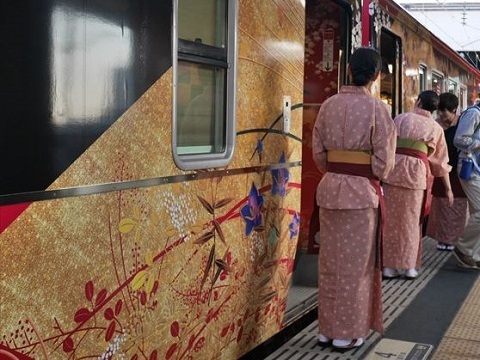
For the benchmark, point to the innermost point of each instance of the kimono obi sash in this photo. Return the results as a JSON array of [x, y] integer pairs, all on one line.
[[358, 163], [418, 149], [416, 145], [349, 157]]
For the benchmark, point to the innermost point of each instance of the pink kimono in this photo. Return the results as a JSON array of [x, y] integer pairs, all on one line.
[[349, 287], [405, 189]]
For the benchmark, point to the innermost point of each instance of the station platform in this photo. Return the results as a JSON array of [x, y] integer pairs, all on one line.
[[434, 317]]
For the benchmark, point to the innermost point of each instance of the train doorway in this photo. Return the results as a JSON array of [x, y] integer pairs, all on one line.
[[327, 43], [390, 83]]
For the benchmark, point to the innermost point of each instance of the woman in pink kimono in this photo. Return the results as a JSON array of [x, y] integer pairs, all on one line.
[[421, 155], [445, 222], [354, 146]]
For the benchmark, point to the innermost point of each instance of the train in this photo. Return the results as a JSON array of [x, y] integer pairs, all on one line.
[[158, 188]]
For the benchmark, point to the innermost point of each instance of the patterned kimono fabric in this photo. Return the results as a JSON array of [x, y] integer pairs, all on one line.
[[405, 211], [346, 259], [445, 223]]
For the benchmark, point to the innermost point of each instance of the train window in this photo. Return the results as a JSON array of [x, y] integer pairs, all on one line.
[[437, 82], [422, 77], [204, 83], [452, 87], [462, 98], [391, 79]]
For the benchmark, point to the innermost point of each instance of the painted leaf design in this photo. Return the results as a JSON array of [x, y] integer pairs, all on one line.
[[126, 225], [118, 307], [171, 351], [204, 238], [269, 296], [109, 315], [219, 230], [149, 284], [153, 355], [209, 265], [225, 331], [143, 298], [149, 258], [68, 345], [206, 204], [195, 229], [89, 290], [264, 281], [171, 231], [110, 331], [222, 264], [175, 329], [139, 280], [222, 203], [155, 287], [102, 295], [81, 315]]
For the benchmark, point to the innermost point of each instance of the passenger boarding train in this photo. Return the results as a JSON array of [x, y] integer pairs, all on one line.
[[157, 182]]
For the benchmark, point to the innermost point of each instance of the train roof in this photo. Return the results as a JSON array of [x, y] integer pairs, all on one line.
[[398, 11]]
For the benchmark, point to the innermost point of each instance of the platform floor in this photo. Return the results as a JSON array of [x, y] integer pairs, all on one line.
[[441, 309]]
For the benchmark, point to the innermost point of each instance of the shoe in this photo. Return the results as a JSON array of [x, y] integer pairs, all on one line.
[[441, 246], [445, 247], [347, 343], [323, 340], [389, 273], [465, 261], [411, 274]]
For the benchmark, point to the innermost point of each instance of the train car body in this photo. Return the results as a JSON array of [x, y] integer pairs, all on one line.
[[157, 163]]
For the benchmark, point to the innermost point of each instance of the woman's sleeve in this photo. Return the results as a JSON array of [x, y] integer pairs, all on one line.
[[384, 141], [318, 149], [438, 159]]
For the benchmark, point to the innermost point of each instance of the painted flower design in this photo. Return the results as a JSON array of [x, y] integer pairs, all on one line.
[[252, 211], [280, 179], [294, 225]]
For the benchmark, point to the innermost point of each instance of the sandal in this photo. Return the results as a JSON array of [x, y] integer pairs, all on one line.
[[441, 246], [323, 340], [347, 344]]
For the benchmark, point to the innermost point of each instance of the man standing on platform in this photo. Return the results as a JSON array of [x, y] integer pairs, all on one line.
[[467, 140]]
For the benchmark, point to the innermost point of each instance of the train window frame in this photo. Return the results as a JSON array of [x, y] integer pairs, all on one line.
[[221, 58], [453, 86], [441, 77], [422, 76], [462, 97]]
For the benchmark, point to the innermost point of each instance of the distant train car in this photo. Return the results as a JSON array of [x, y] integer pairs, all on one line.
[[158, 184]]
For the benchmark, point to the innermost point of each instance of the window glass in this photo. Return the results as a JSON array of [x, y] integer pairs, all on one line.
[[202, 21], [437, 83], [422, 77], [452, 87], [200, 109], [204, 72]]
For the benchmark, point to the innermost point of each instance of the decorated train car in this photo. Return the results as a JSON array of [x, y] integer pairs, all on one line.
[[157, 189]]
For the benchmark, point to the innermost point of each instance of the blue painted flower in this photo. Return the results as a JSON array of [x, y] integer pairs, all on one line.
[[252, 212], [280, 179], [259, 148], [294, 225]]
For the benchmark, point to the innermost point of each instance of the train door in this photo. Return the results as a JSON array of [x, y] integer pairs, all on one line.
[[327, 43], [390, 83]]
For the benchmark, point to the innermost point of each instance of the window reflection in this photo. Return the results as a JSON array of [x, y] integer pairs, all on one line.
[[200, 108], [87, 50], [202, 21]]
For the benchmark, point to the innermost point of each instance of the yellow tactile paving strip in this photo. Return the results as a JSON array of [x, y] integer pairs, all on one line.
[[462, 339]]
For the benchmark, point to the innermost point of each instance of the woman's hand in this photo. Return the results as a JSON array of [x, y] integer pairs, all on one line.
[[449, 194]]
